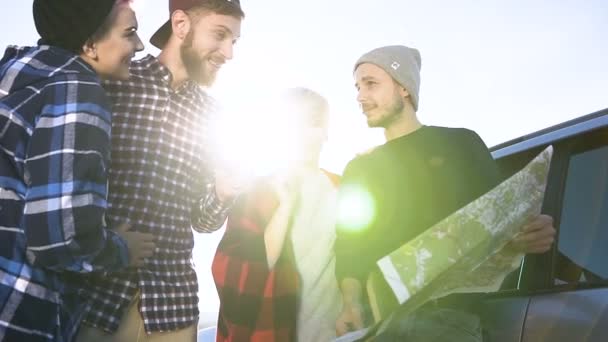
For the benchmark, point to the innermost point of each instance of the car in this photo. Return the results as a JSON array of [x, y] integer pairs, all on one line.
[[561, 295], [206, 334]]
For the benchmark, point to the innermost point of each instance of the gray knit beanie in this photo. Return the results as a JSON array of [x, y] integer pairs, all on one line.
[[401, 62]]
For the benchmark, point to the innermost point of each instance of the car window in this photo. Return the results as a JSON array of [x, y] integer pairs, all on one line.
[[582, 255]]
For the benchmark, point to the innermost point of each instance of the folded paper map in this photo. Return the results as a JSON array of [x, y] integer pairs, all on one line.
[[464, 252]]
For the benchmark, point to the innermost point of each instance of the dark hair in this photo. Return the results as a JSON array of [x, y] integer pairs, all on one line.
[[107, 24], [222, 7]]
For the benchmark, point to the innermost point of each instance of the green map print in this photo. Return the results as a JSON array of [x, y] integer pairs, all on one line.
[[464, 252]]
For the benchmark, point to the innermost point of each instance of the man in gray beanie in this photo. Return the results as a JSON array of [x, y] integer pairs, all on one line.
[[401, 63], [420, 175]]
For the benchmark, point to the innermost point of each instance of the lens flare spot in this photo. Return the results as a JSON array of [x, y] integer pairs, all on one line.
[[356, 208]]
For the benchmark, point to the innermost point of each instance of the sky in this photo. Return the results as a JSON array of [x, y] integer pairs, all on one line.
[[502, 68]]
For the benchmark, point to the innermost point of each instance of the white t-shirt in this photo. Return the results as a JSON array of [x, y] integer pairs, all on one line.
[[313, 235]]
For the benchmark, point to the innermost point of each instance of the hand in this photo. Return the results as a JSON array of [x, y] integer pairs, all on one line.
[[286, 189], [536, 236], [350, 319], [228, 184], [141, 245]]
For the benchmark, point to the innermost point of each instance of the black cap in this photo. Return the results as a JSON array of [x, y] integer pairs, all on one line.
[[161, 36], [69, 23]]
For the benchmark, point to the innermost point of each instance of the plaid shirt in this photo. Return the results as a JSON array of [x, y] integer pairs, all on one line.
[[257, 304], [54, 147], [161, 183]]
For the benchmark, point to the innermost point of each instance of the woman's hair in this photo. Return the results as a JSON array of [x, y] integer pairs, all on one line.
[[310, 104], [107, 24]]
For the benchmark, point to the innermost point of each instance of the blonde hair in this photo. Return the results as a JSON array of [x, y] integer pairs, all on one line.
[[311, 104]]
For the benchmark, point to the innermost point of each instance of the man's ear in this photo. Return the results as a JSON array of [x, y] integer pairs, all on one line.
[[403, 92], [180, 24]]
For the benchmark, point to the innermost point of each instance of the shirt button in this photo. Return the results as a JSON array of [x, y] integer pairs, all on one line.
[[26, 178]]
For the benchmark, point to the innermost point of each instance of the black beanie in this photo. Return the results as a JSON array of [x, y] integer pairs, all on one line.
[[69, 23]]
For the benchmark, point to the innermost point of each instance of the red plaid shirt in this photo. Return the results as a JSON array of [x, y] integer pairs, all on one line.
[[257, 303]]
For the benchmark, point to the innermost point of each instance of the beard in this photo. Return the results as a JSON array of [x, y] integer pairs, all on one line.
[[390, 114], [195, 63]]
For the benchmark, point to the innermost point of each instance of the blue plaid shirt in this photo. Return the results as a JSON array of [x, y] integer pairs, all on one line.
[[54, 154]]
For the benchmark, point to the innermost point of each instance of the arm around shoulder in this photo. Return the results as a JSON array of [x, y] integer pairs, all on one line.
[[66, 174]]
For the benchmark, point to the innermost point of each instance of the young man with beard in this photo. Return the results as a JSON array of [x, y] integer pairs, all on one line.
[[162, 180], [418, 177]]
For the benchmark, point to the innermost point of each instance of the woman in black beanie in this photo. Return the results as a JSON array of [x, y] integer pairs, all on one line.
[[54, 153], [102, 32]]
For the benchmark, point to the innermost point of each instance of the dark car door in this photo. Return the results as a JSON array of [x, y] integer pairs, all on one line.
[[562, 295], [575, 306]]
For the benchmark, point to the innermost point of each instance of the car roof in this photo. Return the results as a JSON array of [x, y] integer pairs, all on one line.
[[552, 134]]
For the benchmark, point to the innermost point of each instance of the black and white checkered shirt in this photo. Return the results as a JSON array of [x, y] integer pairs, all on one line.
[[161, 182]]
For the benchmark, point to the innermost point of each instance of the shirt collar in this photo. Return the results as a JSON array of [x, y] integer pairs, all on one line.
[[159, 71], [155, 68]]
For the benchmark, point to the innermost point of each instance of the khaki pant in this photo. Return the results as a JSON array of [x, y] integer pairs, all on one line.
[[131, 329]]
